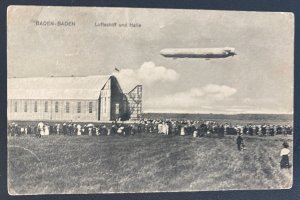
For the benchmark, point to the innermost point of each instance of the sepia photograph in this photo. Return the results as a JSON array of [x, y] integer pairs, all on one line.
[[144, 100]]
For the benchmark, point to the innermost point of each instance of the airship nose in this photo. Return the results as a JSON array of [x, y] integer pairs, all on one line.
[[233, 51]]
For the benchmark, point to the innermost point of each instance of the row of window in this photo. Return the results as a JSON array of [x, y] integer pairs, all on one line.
[[56, 107]]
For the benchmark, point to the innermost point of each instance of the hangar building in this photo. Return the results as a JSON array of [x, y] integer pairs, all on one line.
[[77, 99]]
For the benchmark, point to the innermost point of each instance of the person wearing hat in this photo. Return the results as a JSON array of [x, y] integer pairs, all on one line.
[[272, 130], [221, 131], [113, 130], [74, 129], [17, 130], [11, 129], [263, 130], [104, 130], [70, 129], [64, 129], [285, 153], [239, 140], [85, 130], [284, 131]]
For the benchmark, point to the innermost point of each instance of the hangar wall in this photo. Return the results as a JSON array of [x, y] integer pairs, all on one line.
[[58, 110], [108, 103]]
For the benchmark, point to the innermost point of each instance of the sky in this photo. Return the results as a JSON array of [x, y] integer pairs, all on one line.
[[259, 79]]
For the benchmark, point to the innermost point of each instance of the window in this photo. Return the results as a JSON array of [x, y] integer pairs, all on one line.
[[78, 107], [104, 105], [16, 107], [67, 107], [117, 108], [90, 107], [56, 106], [25, 106], [35, 106], [46, 106]]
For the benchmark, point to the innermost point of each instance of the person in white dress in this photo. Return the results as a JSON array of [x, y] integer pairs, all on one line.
[[58, 129], [46, 130], [285, 153], [90, 131], [78, 129], [164, 128], [41, 128], [195, 134], [97, 131], [182, 130], [160, 128]]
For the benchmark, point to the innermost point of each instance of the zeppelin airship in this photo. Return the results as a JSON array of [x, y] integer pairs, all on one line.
[[206, 53]]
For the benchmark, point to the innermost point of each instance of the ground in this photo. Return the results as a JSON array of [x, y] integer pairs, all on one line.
[[143, 163]]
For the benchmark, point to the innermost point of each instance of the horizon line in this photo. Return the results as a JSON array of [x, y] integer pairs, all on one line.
[[218, 113]]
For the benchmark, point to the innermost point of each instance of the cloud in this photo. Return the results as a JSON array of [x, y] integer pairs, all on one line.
[[148, 74], [212, 98], [191, 100], [219, 91]]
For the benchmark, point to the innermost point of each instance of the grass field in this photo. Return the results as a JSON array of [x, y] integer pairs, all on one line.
[[143, 163]]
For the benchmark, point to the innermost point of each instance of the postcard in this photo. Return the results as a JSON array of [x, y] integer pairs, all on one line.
[[143, 100]]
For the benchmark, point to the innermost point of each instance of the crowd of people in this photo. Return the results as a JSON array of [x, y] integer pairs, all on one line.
[[165, 127]]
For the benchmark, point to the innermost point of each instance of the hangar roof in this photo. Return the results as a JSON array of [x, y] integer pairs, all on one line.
[[87, 87]]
